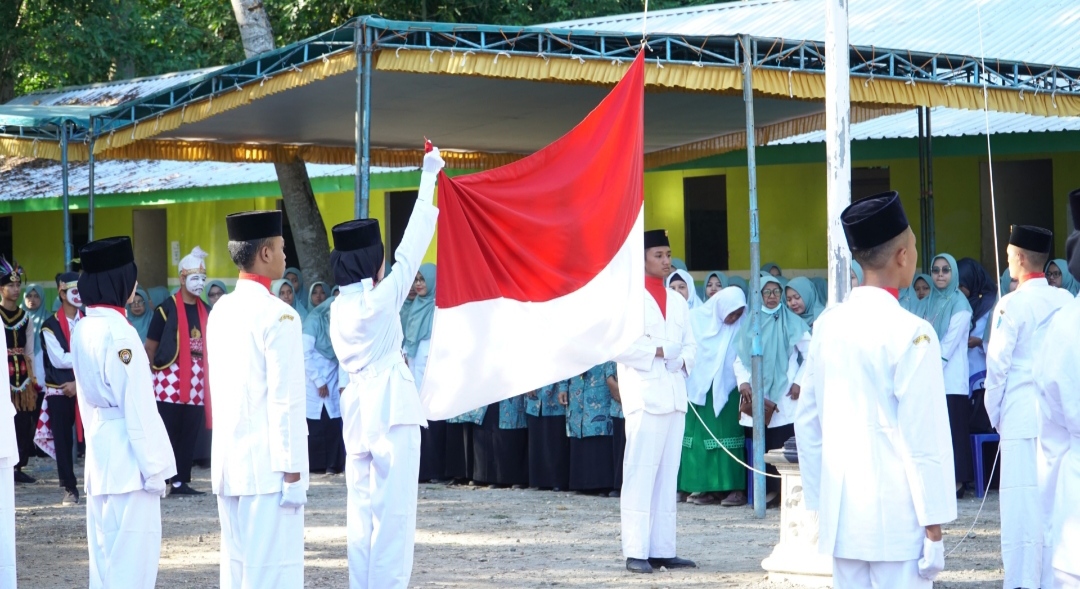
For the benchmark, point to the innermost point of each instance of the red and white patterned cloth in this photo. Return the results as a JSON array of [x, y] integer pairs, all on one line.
[[167, 383], [43, 436]]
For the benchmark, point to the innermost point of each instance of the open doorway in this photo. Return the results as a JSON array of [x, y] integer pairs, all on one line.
[[705, 219], [1024, 195], [150, 242], [399, 206]]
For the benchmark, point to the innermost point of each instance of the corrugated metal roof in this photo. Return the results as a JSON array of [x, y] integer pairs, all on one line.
[[25, 178], [108, 93], [945, 122], [1035, 31]]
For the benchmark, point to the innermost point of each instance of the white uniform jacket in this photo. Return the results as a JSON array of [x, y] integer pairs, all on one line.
[[1015, 338], [9, 447], [254, 345], [321, 371], [644, 380], [126, 441], [954, 355], [873, 430], [365, 327]]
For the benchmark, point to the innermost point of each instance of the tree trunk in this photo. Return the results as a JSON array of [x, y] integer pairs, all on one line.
[[305, 219]]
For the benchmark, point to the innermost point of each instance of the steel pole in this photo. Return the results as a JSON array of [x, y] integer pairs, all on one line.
[[357, 204], [64, 194], [365, 160], [930, 190], [90, 182], [837, 144], [756, 383]]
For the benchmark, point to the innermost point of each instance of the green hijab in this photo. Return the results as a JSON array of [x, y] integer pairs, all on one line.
[[1006, 280], [719, 276], [678, 264], [916, 306], [780, 331], [158, 294], [142, 324], [212, 284], [809, 294], [39, 315], [857, 269], [417, 324], [740, 282], [822, 287], [1068, 281], [942, 303], [768, 266], [297, 299], [311, 289], [275, 289], [317, 325]]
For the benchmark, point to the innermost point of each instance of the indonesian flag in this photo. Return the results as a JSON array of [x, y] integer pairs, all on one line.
[[541, 262]]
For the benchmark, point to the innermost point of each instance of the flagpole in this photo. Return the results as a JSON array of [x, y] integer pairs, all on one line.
[[756, 384], [837, 144]]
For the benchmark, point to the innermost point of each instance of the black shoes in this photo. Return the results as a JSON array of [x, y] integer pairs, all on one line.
[[71, 496], [637, 565], [184, 489], [22, 477], [672, 563]]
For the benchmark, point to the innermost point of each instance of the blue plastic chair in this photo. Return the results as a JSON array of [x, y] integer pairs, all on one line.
[[977, 442]]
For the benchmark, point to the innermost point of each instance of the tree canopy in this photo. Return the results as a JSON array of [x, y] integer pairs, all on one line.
[[52, 43]]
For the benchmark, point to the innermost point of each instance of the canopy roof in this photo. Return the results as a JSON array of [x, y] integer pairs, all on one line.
[[504, 92]]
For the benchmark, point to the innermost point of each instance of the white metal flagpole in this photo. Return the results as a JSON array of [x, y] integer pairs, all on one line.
[[837, 143]]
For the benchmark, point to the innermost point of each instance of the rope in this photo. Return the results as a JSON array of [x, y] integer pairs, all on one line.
[[722, 447], [986, 493]]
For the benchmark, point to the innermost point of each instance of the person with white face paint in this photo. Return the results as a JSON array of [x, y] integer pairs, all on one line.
[[175, 346]]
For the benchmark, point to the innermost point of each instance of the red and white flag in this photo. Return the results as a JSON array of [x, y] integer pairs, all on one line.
[[541, 262]]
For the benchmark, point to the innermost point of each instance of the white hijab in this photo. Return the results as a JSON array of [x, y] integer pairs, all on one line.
[[694, 301], [716, 347]]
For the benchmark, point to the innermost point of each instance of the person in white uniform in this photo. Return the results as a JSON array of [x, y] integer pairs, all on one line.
[[652, 384], [1012, 400], [259, 453], [380, 407], [9, 455], [128, 455], [872, 424], [325, 446], [1057, 377]]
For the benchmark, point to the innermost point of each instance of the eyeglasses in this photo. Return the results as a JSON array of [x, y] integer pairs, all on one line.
[[1053, 274], [941, 270], [771, 292], [138, 304]]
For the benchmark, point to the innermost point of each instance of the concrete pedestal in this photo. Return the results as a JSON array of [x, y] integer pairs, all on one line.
[[795, 559]]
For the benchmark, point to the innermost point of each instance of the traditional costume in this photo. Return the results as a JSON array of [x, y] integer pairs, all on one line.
[[948, 311], [1057, 377], [58, 411], [549, 448], [179, 366], [380, 406], [255, 357], [872, 428], [128, 456], [785, 341], [326, 448], [711, 387], [416, 320], [21, 348], [9, 456], [653, 391], [588, 425], [1013, 407]]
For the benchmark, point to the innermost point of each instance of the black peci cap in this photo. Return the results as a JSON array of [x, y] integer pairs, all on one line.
[[874, 220], [357, 234], [1032, 238], [106, 254], [253, 225], [656, 238]]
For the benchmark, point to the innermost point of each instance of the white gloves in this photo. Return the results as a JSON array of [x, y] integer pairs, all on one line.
[[293, 494], [672, 351], [674, 365], [933, 559], [155, 485], [433, 162]]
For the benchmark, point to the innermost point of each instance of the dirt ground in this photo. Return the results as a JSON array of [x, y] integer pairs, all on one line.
[[466, 537]]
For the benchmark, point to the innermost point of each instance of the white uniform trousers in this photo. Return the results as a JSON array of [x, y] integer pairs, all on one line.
[[382, 481], [7, 522], [262, 543], [1063, 580], [123, 533], [1021, 514], [861, 574], [650, 480]]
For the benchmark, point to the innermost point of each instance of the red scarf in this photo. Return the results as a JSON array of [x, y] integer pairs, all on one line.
[[183, 359], [655, 287], [257, 278], [895, 292], [62, 319]]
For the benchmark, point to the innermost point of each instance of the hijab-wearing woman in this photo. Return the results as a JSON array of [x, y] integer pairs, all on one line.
[[317, 294], [215, 289], [785, 340], [982, 295], [1057, 274], [802, 298], [326, 445], [589, 427], [948, 310], [296, 279], [291, 294], [773, 269], [140, 313], [681, 282], [706, 470], [416, 325], [741, 283], [822, 287], [714, 281], [34, 305]]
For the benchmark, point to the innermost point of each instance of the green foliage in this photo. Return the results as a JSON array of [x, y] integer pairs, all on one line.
[[52, 43]]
